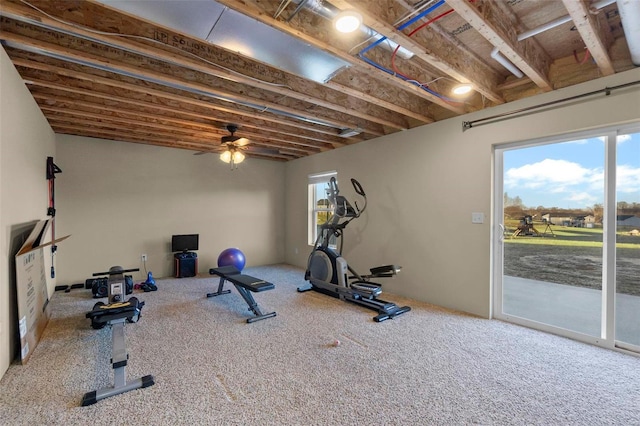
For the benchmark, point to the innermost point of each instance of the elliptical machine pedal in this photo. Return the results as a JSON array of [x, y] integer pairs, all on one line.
[[373, 290]]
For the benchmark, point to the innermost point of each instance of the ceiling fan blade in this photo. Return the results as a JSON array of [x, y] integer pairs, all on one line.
[[242, 142], [229, 139], [262, 150]]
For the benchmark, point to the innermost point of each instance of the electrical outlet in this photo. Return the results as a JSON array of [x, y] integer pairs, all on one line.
[[143, 257]]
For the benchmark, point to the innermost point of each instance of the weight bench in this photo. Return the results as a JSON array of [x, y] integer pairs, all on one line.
[[245, 284]]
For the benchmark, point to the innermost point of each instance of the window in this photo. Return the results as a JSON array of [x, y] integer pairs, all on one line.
[[319, 208]]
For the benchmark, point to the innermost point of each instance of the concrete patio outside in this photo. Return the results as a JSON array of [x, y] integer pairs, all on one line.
[[570, 307]]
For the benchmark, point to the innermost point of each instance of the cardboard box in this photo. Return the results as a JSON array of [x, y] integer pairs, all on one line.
[[33, 297]]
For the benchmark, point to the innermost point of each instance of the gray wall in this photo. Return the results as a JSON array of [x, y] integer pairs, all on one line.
[[119, 200], [423, 185], [26, 140]]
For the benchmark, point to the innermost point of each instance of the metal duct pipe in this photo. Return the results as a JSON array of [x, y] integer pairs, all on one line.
[[564, 19], [544, 27], [499, 57], [630, 16], [322, 9], [495, 54]]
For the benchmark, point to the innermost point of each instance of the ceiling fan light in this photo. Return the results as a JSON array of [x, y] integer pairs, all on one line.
[[347, 21], [238, 157], [226, 156], [462, 89]]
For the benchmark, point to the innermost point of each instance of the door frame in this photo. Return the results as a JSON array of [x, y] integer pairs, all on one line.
[[607, 338]]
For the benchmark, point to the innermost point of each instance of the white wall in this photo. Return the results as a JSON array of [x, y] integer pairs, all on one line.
[[119, 200], [26, 140], [423, 185]]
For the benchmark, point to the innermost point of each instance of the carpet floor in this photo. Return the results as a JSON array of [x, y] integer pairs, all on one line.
[[430, 366]]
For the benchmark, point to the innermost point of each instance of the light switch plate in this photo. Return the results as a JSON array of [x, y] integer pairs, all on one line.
[[477, 217]]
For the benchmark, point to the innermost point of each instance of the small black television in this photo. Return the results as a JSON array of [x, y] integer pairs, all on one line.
[[188, 242]]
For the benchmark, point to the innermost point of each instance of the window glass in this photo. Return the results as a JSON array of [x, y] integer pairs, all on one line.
[[320, 209]]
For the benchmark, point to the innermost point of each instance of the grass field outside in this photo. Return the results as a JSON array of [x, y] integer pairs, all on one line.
[[571, 256]]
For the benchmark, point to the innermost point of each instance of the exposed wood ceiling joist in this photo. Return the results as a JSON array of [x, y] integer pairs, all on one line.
[[100, 72]]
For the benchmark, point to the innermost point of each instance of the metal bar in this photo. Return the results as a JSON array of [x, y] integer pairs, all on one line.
[[466, 125]]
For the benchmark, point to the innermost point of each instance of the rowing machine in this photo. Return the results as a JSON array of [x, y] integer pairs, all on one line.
[[115, 314]]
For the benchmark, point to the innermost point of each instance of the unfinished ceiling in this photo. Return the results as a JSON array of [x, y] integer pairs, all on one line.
[[177, 73]]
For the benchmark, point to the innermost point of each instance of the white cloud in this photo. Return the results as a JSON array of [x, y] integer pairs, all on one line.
[[570, 181], [628, 179], [577, 142], [623, 138], [582, 197], [553, 175], [563, 181]]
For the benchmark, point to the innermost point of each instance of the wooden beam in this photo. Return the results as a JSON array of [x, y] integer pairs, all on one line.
[[294, 88], [496, 27], [588, 28], [69, 106], [387, 104], [438, 48], [302, 132], [135, 112], [63, 127], [214, 137], [87, 59], [251, 9]]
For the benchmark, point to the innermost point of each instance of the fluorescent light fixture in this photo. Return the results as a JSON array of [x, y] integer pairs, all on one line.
[[462, 89], [347, 21], [347, 133]]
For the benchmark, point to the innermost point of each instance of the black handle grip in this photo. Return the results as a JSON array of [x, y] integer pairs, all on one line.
[[119, 271], [357, 187]]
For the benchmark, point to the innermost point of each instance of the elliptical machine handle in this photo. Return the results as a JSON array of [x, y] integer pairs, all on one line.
[[333, 187], [358, 187]]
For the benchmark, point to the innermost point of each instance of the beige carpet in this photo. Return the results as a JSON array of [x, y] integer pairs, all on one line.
[[428, 367]]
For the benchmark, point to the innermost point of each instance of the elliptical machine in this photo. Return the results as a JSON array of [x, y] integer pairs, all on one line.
[[328, 272]]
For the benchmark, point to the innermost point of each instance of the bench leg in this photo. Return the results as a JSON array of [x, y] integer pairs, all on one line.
[[253, 305], [220, 291]]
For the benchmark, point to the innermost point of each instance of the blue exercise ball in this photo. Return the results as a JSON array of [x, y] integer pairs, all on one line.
[[232, 257]]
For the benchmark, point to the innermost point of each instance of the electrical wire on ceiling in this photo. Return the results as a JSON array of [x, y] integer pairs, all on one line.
[[398, 21], [361, 55], [586, 56], [429, 22]]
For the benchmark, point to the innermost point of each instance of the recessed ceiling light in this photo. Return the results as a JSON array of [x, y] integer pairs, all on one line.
[[347, 21], [462, 89]]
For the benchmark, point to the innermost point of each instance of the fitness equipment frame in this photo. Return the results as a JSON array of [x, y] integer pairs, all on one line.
[[244, 284], [115, 314], [328, 272]]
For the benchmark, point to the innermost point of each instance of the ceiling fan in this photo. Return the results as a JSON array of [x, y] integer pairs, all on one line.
[[232, 138], [232, 147]]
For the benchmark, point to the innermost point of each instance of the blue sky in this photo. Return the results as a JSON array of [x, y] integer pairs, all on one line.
[[571, 174]]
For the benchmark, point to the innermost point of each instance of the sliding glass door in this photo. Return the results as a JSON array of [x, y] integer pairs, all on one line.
[[627, 271], [567, 257]]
